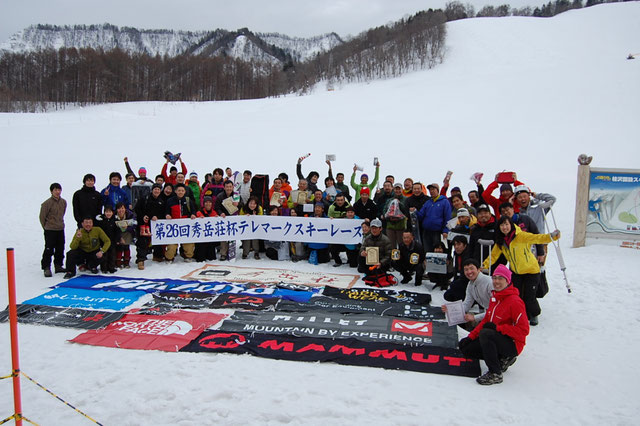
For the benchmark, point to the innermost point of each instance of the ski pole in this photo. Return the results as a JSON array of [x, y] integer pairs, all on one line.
[[556, 244]]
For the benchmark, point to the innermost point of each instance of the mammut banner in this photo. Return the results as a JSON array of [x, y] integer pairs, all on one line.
[[168, 332], [378, 295], [337, 326], [63, 317], [87, 299], [96, 282], [404, 310], [275, 228], [425, 359], [241, 274]]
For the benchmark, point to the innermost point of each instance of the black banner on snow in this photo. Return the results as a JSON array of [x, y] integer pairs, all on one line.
[[425, 359], [364, 327], [163, 303], [404, 310], [378, 295], [63, 317]]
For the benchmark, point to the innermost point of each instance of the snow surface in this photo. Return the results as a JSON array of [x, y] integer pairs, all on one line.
[[513, 93]]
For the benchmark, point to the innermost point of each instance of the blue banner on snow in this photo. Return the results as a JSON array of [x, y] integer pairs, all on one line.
[[111, 283], [87, 299]]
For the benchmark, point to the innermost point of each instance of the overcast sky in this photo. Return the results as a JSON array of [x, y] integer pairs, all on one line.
[[301, 18]]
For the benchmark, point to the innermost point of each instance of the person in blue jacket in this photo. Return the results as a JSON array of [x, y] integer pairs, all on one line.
[[433, 217], [113, 194]]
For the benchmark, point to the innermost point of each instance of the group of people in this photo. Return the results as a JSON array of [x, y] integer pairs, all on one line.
[[403, 222]]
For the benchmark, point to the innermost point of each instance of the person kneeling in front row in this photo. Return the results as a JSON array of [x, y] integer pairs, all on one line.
[[500, 337]]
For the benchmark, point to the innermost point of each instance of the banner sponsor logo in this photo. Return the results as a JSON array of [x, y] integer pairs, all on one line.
[[86, 299], [361, 327], [168, 333], [280, 277], [165, 302], [275, 228], [378, 295], [412, 327], [327, 304], [426, 359], [63, 317], [96, 282]]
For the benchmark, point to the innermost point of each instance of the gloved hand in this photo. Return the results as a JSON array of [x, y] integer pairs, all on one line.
[[464, 343], [555, 235], [489, 325]]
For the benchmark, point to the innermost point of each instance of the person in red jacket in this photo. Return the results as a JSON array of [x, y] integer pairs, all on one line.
[[501, 335], [173, 172], [506, 195]]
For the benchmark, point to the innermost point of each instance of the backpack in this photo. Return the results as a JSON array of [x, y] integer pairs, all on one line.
[[380, 279], [393, 210]]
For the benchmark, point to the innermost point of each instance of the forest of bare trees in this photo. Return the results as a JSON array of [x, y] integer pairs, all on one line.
[[51, 79]]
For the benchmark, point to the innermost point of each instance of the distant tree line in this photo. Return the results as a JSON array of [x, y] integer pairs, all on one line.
[[37, 81], [46, 79]]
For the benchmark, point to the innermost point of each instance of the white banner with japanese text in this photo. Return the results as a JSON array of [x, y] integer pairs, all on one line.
[[274, 228]]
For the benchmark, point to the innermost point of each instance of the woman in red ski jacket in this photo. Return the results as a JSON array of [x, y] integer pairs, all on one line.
[[501, 335]]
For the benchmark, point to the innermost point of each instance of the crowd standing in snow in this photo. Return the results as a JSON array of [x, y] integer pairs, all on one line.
[[403, 220]]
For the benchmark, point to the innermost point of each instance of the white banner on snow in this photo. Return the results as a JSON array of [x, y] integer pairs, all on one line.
[[274, 228]]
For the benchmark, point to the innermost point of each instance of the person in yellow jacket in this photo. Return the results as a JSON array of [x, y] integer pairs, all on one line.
[[87, 246], [515, 245]]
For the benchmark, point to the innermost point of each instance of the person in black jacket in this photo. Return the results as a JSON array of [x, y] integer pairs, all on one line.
[[458, 287], [411, 259], [150, 208], [87, 202], [484, 229], [180, 207], [107, 222], [365, 207]]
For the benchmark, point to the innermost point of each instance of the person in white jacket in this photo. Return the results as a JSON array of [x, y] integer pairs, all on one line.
[[478, 291]]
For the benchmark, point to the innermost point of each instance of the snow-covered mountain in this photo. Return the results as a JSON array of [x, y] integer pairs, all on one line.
[[241, 44]]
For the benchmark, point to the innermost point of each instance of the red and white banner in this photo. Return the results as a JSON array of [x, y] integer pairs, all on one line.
[[168, 332]]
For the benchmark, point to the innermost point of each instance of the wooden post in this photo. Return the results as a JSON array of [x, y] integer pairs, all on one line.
[[582, 202]]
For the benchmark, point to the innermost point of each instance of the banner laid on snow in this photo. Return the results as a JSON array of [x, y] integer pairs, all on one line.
[[378, 295], [425, 359], [274, 228], [63, 317], [166, 333], [243, 274], [163, 303], [327, 304], [97, 282], [86, 299], [369, 328]]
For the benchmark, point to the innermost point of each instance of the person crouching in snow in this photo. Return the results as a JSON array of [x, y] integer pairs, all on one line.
[[500, 337]]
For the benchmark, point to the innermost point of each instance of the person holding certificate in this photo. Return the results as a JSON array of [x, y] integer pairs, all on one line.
[[375, 253]]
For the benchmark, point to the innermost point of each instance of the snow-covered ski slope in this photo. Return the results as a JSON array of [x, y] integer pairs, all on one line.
[[513, 93]]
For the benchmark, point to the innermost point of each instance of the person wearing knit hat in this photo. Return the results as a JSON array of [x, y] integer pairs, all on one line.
[[142, 172], [364, 181], [501, 335], [365, 207], [506, 194]]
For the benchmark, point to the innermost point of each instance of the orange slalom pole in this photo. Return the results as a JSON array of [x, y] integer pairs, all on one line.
[[13, 324]]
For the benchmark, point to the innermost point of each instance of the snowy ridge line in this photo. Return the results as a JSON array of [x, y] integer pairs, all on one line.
[[240, 44]]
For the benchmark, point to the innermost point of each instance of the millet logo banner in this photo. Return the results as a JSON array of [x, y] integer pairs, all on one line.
[[168, 332], [63, 317], [425, 359], [337, 326]]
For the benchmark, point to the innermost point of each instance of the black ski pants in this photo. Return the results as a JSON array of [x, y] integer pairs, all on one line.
[[491, 346]]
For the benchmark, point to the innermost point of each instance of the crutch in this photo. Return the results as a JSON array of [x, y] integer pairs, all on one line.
[[556, 244], [485, 243]]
